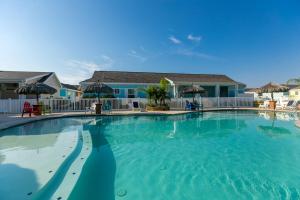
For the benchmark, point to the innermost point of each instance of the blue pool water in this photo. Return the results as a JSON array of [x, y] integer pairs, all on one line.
[[214, 155]]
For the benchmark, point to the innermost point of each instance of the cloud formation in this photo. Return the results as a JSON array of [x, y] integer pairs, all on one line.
[[139, 57], [79, 70], [174, 40], [191, 53], [194, 38]]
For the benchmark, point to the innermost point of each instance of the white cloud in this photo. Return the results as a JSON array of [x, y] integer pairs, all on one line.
[[134, 54], [174, 40], [194, 38], [78, 70], [191, 53]]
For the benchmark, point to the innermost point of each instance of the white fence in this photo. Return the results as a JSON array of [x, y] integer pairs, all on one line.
[[61, 105]]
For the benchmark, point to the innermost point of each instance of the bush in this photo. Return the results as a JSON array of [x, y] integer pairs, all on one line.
[[257, 103]]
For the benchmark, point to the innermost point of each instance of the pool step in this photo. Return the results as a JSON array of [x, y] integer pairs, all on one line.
[[74, 170], [58, 180]]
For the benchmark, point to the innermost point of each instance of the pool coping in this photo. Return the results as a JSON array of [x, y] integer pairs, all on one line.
[[28, 120]]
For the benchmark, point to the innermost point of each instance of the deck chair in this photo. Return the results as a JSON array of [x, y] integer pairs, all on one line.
[[265, 104], [136, 106], [197, 105], [91, 109], [107, 107], [188, 105], [281, 104], [27, 108], [291, 105]]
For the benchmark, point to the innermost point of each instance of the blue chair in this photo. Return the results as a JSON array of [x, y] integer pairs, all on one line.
[[188, 105], [107, 107]]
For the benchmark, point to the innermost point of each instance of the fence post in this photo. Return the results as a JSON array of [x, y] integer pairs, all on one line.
[[235, 102], [51, 104], [218, 100], [181, 103], [9, 105]]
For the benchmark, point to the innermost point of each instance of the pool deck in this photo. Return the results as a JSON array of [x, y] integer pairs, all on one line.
[[10, 120]]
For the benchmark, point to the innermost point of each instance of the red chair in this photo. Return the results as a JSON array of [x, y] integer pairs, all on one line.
[[27, 108]]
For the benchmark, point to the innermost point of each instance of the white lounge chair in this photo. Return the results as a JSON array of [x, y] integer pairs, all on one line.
[[91, 109], [265, 104], [281, 104], [291, 105]]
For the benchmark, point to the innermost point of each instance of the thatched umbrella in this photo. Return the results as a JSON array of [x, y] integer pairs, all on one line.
[[193, 90], [271, 88], [98, 88], [36, 89]]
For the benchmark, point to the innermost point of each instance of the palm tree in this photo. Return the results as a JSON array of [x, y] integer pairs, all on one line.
[[158, 93], [294, 80]]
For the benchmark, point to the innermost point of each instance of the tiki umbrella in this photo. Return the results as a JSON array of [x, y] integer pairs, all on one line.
[[193, 90], [271, 88], [98, 88], [36, 89]]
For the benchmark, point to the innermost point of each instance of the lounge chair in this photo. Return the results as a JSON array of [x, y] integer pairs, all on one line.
[[27, 108], [291, 105], [91, 109], [107, 107], [189, 106], [265, 104], [136, 106], [197, 105], [281, 104]]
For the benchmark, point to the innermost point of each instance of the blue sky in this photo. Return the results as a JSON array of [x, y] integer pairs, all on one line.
[[251, 41]]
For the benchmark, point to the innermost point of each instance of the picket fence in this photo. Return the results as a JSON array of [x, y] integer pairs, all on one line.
[[66, 105]]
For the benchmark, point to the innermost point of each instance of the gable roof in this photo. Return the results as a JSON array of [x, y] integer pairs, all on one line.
[[20, 75], [71, 87], [153, 77], [295, 88]]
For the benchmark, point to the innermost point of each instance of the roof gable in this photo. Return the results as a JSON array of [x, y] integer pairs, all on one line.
[[20, 75]]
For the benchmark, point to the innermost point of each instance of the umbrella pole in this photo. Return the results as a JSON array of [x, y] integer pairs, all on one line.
[[37, 98]]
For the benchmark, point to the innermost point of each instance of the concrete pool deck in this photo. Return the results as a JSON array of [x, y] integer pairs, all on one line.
[[10, 120]]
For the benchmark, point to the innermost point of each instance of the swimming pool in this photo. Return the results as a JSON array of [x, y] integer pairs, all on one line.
[[214, 155]]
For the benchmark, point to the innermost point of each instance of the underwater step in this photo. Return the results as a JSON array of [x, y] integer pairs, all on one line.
[[49, 190], [75, 169]]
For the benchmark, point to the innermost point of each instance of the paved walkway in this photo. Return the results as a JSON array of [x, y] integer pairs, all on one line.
[[10, 120]]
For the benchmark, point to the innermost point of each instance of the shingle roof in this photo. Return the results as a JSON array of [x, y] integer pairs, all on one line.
[[71, 87], [19, 75], [152, 77]]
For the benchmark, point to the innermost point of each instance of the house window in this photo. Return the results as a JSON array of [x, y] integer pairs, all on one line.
[[116, 91], [131, 93]]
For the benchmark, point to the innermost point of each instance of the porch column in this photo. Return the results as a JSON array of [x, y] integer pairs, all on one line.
[[174, 91], [236, 90], [217, 90]]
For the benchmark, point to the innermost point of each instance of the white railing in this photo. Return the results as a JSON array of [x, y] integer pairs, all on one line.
[[61, 105]]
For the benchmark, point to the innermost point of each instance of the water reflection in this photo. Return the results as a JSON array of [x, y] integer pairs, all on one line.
[[35, 135], [283, 116], [97, 178], [276, 123]]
